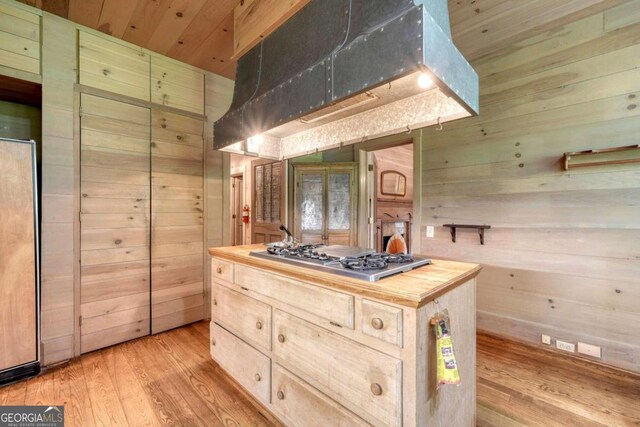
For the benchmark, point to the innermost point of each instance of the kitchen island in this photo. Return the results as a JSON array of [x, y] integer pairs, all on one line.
[[316, 348]]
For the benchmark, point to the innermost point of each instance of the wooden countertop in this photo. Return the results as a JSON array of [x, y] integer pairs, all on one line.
[[413, 289]]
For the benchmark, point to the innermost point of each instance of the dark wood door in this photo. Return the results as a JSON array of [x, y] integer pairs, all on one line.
[[267, 212]]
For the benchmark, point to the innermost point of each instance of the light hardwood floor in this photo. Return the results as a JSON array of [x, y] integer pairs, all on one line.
[[169, 379]]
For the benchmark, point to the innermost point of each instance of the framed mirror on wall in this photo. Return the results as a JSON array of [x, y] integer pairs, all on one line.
[[393, 183]]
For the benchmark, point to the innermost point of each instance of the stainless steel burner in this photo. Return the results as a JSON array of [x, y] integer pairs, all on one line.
[[348, 261]]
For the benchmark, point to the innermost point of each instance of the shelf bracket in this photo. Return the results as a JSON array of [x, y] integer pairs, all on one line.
[[480, 229]]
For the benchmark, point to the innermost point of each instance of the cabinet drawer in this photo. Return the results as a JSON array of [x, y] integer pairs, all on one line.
[[363, 380], [382, 321], [334, 306], [221, 270], [300, 405], [245, 364], [244, 316]]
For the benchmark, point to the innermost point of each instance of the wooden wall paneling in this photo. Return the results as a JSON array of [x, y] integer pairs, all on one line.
[[177, 85], [19, 39], [177, 267], [618, 17], [57, 249], [115, 277], [113, 67], [560, 257], [18, 275]]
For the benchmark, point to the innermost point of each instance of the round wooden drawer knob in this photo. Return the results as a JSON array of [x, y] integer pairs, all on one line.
[[377, 323], [215, 301], [219, 270], [259, 325], [280, 395], [258, 377], [376, 389], [213, 341], [281, 338]]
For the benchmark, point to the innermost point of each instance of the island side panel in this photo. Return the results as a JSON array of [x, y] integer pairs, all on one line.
[[453, 405]]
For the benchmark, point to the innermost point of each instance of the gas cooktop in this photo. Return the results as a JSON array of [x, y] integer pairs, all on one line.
[[350, 261]]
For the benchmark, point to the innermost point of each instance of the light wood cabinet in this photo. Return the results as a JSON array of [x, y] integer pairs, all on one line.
[[382, 321], [19, 39], [177, 220], [113, 67], [221, 270], [339, 356], [299, 404], [362, 379], [334, 306], [114, 222], [248, 318], [177, 85], [248, 366]]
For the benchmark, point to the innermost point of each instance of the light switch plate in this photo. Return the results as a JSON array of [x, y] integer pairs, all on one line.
[[430, 231]]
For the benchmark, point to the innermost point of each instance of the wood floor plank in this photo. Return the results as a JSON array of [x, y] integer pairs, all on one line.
[[107, 408], [203, 372], [79, 411], [170, 406], [169, 379], [131, 394]]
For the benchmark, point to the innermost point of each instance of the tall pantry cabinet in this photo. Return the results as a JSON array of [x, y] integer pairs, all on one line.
[[19, 285], [142, 193]]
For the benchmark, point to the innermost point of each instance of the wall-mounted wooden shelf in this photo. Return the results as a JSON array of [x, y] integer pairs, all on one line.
[[604, 157], [480, 229]]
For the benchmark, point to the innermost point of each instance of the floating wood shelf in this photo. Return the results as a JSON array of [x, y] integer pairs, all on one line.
[[607, 156], [480, 229]]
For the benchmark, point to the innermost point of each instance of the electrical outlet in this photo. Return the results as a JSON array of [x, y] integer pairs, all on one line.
[[589, 350], [565, 346], [546, 339], [430, 231]]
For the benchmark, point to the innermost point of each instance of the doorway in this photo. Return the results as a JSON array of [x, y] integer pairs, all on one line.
[[325, 200], [237, 201], [390, 197]]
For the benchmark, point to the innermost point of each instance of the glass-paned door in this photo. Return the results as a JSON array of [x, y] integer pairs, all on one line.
[[325, 204]]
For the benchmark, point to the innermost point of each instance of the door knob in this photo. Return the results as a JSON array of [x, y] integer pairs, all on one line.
[[280, 395], [281, 338], [259, 324], [376, 389], [377, 323]]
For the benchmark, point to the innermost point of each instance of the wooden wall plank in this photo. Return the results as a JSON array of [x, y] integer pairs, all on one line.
[[177, 162], [560, 257], [113, 67], [103, 236], [57, 247]]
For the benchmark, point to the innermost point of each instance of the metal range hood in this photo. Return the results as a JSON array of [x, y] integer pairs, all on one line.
[[342, 71]]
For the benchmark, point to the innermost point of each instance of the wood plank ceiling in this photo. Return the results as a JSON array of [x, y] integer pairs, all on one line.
[[200, 32]]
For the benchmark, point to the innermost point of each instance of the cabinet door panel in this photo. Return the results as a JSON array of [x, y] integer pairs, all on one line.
[[177, 172], [365, 381], [113, 67], [115, 226]]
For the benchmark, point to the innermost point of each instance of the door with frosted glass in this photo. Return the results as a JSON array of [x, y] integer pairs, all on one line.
[[325, 203]]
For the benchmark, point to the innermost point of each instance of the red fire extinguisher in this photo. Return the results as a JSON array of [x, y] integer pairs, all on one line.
[[245, 214]]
